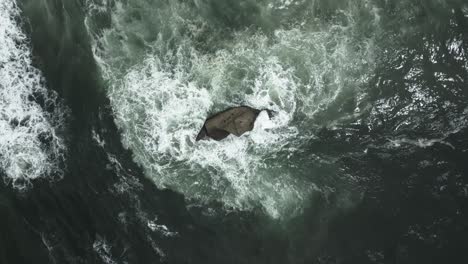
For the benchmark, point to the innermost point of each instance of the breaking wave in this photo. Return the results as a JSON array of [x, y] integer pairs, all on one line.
[[30, 115], [169, 65]]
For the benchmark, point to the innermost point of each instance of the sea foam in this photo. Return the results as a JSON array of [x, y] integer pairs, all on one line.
[[30, 146], [163, 83]]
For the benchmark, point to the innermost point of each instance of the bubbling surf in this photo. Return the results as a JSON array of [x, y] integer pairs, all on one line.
[[168, 66], [30, 146]]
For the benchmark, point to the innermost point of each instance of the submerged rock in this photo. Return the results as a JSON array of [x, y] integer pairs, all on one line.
[[234, 120]]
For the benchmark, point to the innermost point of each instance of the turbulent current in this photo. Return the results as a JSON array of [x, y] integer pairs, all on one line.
[[363, 162]]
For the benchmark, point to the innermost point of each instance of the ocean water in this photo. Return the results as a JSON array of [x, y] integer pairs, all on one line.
[[364, 162]]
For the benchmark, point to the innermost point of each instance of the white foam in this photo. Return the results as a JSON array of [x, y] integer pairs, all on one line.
[[162, 229], [102, 247], [420, 142], [161, 103], [162, 124], [29, 145]]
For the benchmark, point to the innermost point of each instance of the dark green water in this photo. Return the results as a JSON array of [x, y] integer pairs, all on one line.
[[365, 162]]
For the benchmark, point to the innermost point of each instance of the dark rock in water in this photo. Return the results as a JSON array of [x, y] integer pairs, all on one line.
[[235, 120]]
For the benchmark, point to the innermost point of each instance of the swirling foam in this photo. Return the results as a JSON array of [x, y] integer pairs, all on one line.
[[29, 145], [160, 103]]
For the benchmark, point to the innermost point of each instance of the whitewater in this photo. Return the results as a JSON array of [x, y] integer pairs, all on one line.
[[169, 66], [30, 115]]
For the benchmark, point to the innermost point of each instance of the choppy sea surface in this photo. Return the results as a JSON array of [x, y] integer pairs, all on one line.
[[364, 162]]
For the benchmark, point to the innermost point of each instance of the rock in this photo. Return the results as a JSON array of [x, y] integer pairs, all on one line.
[[234, 120]]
